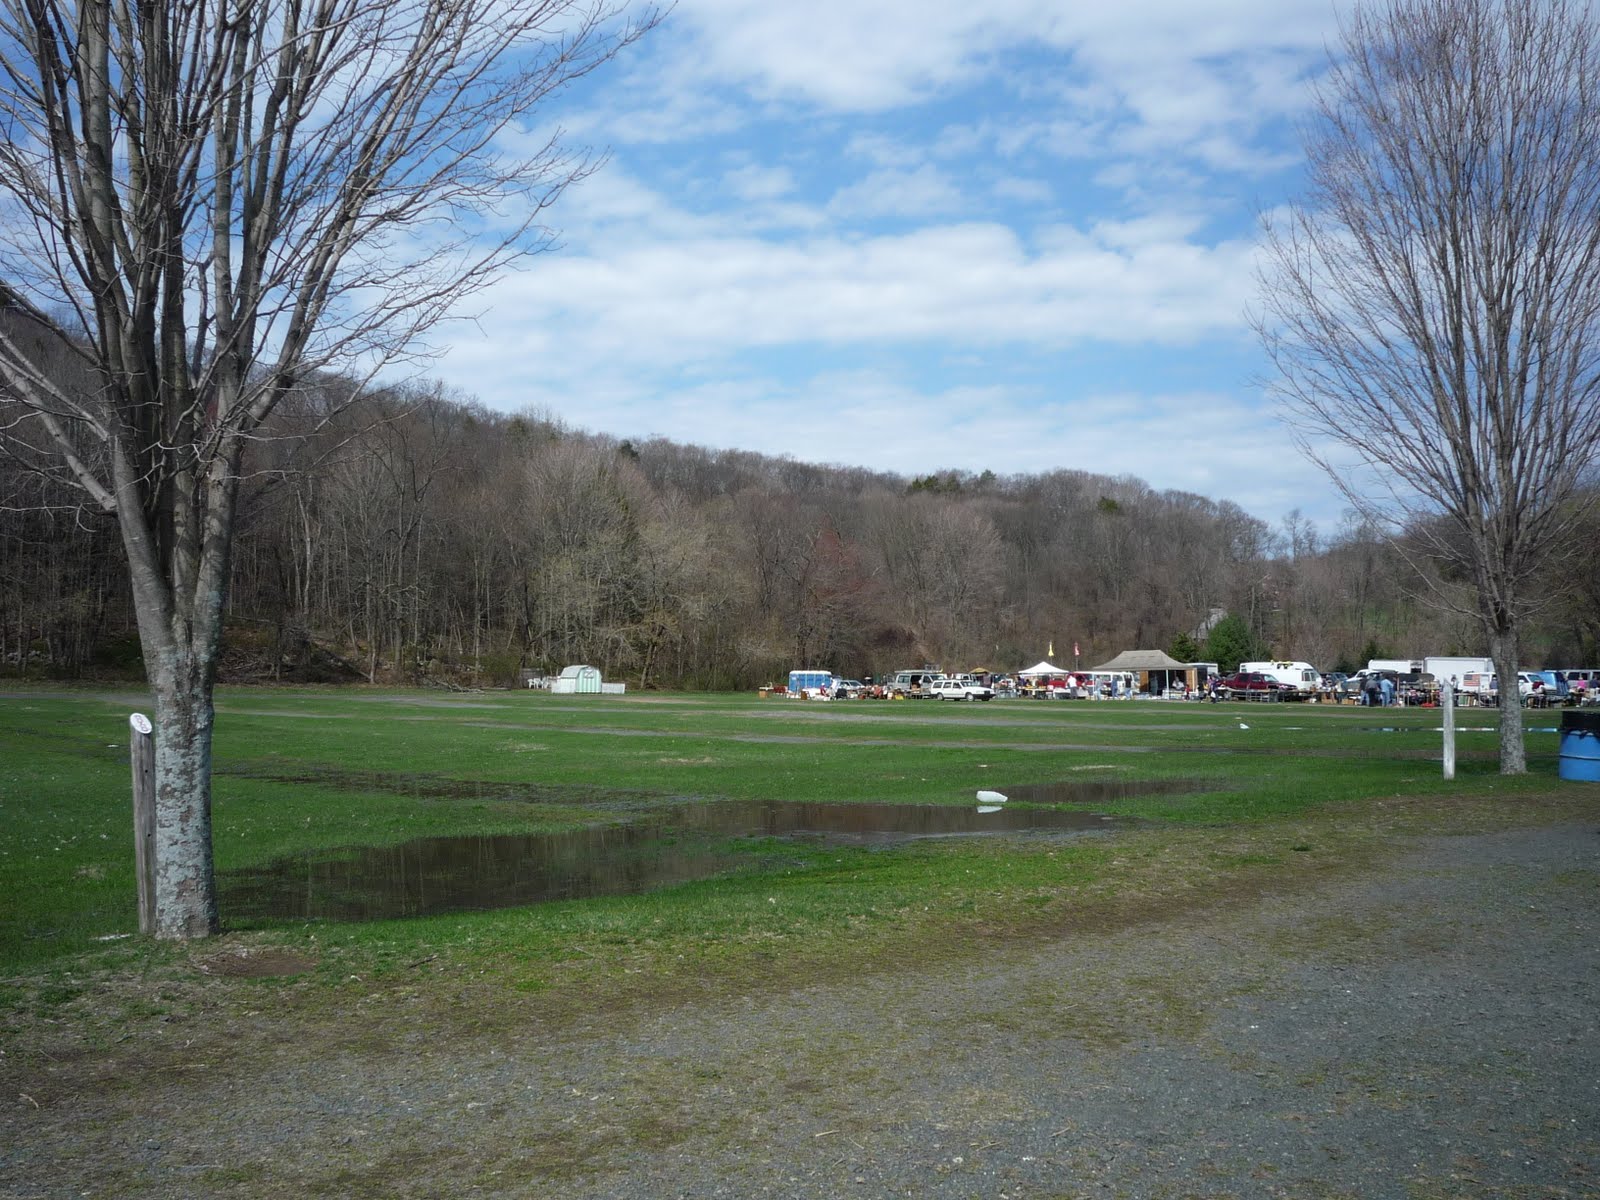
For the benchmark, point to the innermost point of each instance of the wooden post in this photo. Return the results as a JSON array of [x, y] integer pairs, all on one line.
[[142, 749], [1447, 700]]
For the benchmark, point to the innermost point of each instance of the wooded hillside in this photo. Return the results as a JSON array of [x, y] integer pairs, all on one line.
[[421, 538]]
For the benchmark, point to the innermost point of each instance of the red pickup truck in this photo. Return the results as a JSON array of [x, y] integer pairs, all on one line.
[[1253, 685]]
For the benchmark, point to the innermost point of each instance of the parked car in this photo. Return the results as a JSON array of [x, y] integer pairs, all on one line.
[[1543, 687], [1332, 680], [959, 689], [1253, 685], [912, 684], [848, 689]]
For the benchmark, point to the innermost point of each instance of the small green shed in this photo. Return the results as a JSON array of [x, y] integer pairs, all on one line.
[[577, 680]]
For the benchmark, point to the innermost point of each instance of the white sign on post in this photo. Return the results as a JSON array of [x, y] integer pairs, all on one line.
[[142, 750], [1447, 700]]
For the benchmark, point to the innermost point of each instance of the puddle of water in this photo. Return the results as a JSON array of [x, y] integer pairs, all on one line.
[[1100, 791], [872, 823], [440, 875], [1440, 729]]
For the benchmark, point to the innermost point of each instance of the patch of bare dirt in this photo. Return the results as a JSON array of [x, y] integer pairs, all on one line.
[[247, 962]]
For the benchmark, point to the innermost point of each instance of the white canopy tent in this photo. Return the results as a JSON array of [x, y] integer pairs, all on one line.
[[1044, 668]]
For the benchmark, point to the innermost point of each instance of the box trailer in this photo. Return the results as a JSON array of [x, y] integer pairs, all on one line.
[[1453, 669], [1394, 666], [811, 683]]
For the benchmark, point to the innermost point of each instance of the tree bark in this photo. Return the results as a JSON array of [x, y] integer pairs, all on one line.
[[186, 900], [1505, 650]]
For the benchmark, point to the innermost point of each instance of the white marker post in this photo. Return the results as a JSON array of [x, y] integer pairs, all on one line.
[[142, 749], [1447, 700]]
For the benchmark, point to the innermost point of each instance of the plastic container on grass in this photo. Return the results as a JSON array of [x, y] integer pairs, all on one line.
[[1580, 746]]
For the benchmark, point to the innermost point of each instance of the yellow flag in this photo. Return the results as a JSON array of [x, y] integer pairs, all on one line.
[[1051, 651]]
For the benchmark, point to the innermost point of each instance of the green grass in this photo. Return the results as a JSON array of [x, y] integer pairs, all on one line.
[[95, 1036], [308, 770]]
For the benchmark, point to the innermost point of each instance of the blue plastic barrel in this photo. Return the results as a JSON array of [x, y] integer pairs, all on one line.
[[1580, 746]]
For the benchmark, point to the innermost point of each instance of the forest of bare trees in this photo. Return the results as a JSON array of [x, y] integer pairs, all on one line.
[[418, 538]]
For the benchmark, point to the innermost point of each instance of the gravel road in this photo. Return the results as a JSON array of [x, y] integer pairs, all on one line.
[[1430, 1028]]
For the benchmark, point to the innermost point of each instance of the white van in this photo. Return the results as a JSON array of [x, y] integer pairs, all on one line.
[[1305, 679]]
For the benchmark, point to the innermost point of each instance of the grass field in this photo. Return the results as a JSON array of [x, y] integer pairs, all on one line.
[[1300, 790], [872, 1007]]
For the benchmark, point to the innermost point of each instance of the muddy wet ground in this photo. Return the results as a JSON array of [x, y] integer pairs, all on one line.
[[662, 845]]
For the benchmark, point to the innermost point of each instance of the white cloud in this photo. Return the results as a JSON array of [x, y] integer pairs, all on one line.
[[645, 280], [759, 183], [659, 338], [842, 54], [1176, 67], [668, 115], [671, 301], [1022, 190], [923, 192], [885, 151], [728, 280]]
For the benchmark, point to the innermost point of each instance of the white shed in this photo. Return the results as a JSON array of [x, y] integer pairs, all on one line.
[[577, 680]]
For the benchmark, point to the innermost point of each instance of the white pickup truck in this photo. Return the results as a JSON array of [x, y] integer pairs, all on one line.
[[955, 688]]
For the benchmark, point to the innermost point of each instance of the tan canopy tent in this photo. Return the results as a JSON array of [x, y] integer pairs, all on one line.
[[1142, 660], [1156, 669]]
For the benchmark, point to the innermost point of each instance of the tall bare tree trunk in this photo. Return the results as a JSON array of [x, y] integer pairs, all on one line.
[[1505, 650], [180, 626], [186, 903], [196, 196]]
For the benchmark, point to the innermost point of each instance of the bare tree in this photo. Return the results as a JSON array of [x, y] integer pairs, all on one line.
[[205, 200], [1431, 305]]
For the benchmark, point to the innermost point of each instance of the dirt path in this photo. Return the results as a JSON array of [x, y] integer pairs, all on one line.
[[1428, 1030]]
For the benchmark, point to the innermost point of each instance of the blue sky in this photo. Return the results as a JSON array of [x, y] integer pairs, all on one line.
[[922, 235]]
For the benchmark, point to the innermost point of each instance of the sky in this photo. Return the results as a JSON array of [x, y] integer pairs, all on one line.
[[926, 235]]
